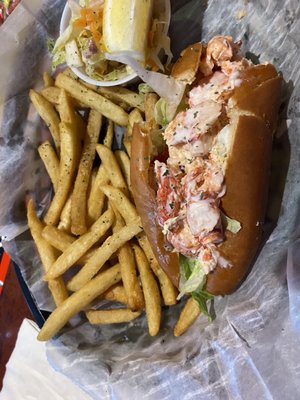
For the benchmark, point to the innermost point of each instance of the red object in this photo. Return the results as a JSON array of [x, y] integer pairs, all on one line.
[[2, 14], [13, 310], [4, 265], [6, 9]]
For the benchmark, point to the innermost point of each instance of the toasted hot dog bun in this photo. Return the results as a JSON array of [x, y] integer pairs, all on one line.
[[252, 112]]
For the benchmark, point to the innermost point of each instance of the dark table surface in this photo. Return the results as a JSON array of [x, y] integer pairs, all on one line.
[[13, 309]]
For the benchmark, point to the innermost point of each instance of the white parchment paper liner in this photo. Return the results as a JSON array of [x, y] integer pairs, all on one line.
[[251, 351]]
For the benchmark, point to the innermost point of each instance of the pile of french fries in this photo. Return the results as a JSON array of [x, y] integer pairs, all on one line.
[[92, 221]]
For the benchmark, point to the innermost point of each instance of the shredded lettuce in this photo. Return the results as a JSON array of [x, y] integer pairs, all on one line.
[[202, 297], [64, 38], [160, 112], [111, 76], [87, 56], [69, 34], [59, 57], [50, 44], [230, 224], [192, 275], [144, 88], [83, 42], [192, 281]]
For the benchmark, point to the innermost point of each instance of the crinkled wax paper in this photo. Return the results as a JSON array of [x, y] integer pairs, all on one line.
[[251, 351]]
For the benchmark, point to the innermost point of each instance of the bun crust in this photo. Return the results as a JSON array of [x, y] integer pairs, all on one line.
[[253, 117], [246, 180], [186, 67], [259, 94]]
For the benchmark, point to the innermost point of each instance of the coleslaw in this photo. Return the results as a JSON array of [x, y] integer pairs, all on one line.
[[84, 44]]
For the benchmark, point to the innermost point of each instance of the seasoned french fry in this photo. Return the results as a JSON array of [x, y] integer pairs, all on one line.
[[92, 99], [119, 93], [61, 241], [78, 300], [188, 316], [79, 195], [51, 93], [96, 198], [168, 290], [134, 117], [65, 109], [109, 136], [119, 222], [78, 248], [48, 80], [47, 254], [68, 72], [116, 293], [65, 216], [48, 114], [127, 139], [58, 239], [121, 203], [113, 316], [124, 163], [134, 294], [69, 145], [105, 251], [51, 162], [69, 115], [112, 168], [92, 180], [88, 85], [151, 292]]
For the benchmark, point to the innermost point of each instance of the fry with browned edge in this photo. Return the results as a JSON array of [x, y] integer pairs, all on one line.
[[78, 248], [116, 293], [105, 251], [96, 198], [168, 290], [112, 316], [134, 294], [78, 300], [61, 240], [48, 113], [47, 254], [112, 168], [151, 292], [188, 316], [79, 195], [51, 162], [92, 99], [69, 145]]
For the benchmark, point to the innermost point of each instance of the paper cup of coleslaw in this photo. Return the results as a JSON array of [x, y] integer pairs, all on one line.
[[92, 33]]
